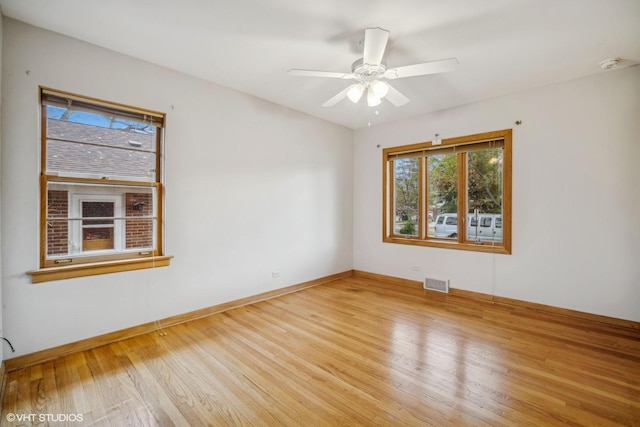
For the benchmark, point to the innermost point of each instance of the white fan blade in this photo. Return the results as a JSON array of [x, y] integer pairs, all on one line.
[[339, 97], [422, 69], [375, 42], [395, 97], [314, 73]]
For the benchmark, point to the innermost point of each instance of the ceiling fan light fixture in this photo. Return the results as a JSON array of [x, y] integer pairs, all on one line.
[[370, 73], [355, 93], [379, 88], [372, 99]]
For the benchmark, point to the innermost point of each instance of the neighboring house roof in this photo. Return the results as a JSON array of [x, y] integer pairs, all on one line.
[[81, 149]]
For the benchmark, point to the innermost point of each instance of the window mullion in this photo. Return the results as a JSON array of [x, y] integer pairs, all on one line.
[[422, 206], [390, 183], [462, 195], [424, 194], [99, 181], [159, 158]]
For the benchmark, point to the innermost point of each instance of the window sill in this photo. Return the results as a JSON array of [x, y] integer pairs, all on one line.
[[92, 269], [483, 247]]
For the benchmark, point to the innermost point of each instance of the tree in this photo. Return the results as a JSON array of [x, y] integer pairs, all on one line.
[[443, 182], [484, 181], [406, 188]]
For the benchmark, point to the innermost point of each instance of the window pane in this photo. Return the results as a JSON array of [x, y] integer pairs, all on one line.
[[442, 194], [97, 210], [85, 218], [97, 234], [76, 159], [405, 201], [80, 143], [80, 126], [484, 195], [97, 238]]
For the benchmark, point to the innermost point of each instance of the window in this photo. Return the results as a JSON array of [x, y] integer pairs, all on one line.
[[485, 222], [463, 183], [101, 189]]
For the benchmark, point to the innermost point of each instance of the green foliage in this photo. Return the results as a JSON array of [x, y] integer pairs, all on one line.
[[484, 184], [485, 180], [443, 182], [408, 228]]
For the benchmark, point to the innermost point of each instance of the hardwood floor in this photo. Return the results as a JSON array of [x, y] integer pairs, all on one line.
[[352, 352]]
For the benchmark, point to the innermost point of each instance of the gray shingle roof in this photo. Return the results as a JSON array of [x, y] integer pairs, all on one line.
[[76, 148]]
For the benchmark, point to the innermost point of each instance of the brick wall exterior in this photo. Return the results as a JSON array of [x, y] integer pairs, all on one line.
[[57, 231], [139, 232]]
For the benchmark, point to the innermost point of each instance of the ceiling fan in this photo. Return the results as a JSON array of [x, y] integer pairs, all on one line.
[[370, 73]]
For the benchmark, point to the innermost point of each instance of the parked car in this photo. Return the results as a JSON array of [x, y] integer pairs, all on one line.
[[487, 227]]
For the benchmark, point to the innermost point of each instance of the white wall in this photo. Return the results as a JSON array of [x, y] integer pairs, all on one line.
[[576, 197], [252, 188]]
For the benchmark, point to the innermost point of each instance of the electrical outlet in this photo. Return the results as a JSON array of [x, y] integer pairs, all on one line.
[[275, 274], [415, 268]]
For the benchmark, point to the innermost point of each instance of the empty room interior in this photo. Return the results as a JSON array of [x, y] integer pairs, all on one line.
[[332, 213]]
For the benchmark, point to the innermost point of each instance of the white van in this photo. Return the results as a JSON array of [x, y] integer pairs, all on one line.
[[447, 225], [487, 227]]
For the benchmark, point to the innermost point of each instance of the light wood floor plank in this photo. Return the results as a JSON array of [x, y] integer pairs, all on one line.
[[356, 351]]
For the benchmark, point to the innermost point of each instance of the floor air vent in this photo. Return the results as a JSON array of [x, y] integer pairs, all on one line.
[[436, 285]]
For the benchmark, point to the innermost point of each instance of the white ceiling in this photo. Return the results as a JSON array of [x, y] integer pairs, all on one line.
[[503, 46]]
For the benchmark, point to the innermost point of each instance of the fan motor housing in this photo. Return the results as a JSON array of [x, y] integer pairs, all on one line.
[[366, 73]]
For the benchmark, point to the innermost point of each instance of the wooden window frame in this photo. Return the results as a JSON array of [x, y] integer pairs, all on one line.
[[74, 265], [460, 145]]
